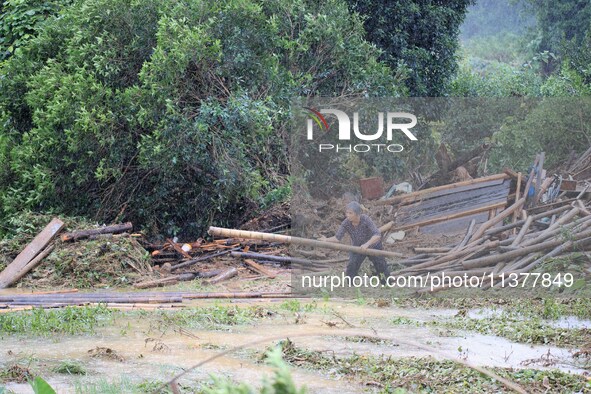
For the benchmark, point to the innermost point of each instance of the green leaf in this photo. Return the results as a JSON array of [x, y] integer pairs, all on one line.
[[40, 386]]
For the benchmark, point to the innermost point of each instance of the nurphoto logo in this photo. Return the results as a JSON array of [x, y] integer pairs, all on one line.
[[393, 124]]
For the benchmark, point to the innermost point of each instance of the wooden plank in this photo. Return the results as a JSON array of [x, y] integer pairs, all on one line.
[[7, 277], [453, 204], [449, 217], [33, 263], [178, 249], [452, 188], [259, 268]]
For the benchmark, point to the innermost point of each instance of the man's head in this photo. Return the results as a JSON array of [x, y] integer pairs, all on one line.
[[353, 211]]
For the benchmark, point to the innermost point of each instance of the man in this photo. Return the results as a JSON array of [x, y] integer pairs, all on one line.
[[365, 234]]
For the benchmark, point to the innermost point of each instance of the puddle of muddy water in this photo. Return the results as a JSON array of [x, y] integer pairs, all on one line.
[[150, 354]]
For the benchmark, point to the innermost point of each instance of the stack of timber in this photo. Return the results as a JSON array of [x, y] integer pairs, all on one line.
[[498, 251], [188, 254]]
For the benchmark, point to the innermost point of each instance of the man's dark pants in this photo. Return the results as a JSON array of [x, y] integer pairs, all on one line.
[[356, 259]]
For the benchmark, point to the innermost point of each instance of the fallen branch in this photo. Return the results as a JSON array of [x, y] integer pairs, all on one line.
[[114, 229]]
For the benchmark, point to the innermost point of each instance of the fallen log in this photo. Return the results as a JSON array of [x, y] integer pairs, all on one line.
[[223, 276], [114, 229], [224, 232], [11, 273], [171, 280]]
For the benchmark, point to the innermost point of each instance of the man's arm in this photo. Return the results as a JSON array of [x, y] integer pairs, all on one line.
[[338, 236], [377, 235], [372, 241]]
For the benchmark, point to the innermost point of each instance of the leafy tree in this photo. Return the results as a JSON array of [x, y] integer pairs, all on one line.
[[20, 20], [421, 35], [171, 114], [558, 22]]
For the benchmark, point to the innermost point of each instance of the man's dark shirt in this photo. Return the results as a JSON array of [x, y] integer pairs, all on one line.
[[361, 233]]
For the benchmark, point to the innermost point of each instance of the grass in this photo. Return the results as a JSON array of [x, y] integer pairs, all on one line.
[[70, 367], [519, 329], [425, 374], [294, 305], [217, 317], [46, 322]]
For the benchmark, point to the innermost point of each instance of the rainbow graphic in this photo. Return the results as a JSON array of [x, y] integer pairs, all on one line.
[[318, 118]]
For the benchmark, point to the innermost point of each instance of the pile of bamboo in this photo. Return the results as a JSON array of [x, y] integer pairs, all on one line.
[[502, 250], [118, 300]]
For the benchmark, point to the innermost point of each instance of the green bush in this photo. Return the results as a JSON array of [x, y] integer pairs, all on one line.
[[170, 114], [21, 19]]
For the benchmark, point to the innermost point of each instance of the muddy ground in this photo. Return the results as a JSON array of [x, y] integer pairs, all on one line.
[[331, 345]]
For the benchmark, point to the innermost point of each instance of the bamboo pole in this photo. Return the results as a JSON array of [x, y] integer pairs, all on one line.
[[497, 230], [225, 232], [523, 231], [285, 259], [497, 219], [517, 192], [490, 260], [557, 227]]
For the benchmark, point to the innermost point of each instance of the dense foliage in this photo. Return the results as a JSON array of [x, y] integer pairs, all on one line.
[[559, 21], [420, 35], [549, 61], [170, 114], [21, 19]]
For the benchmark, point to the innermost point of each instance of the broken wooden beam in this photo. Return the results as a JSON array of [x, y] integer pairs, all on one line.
[[259, 268], [11, 273], [31, 265]]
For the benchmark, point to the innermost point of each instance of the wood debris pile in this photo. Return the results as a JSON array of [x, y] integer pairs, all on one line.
[[511, 223], [548, 217]]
